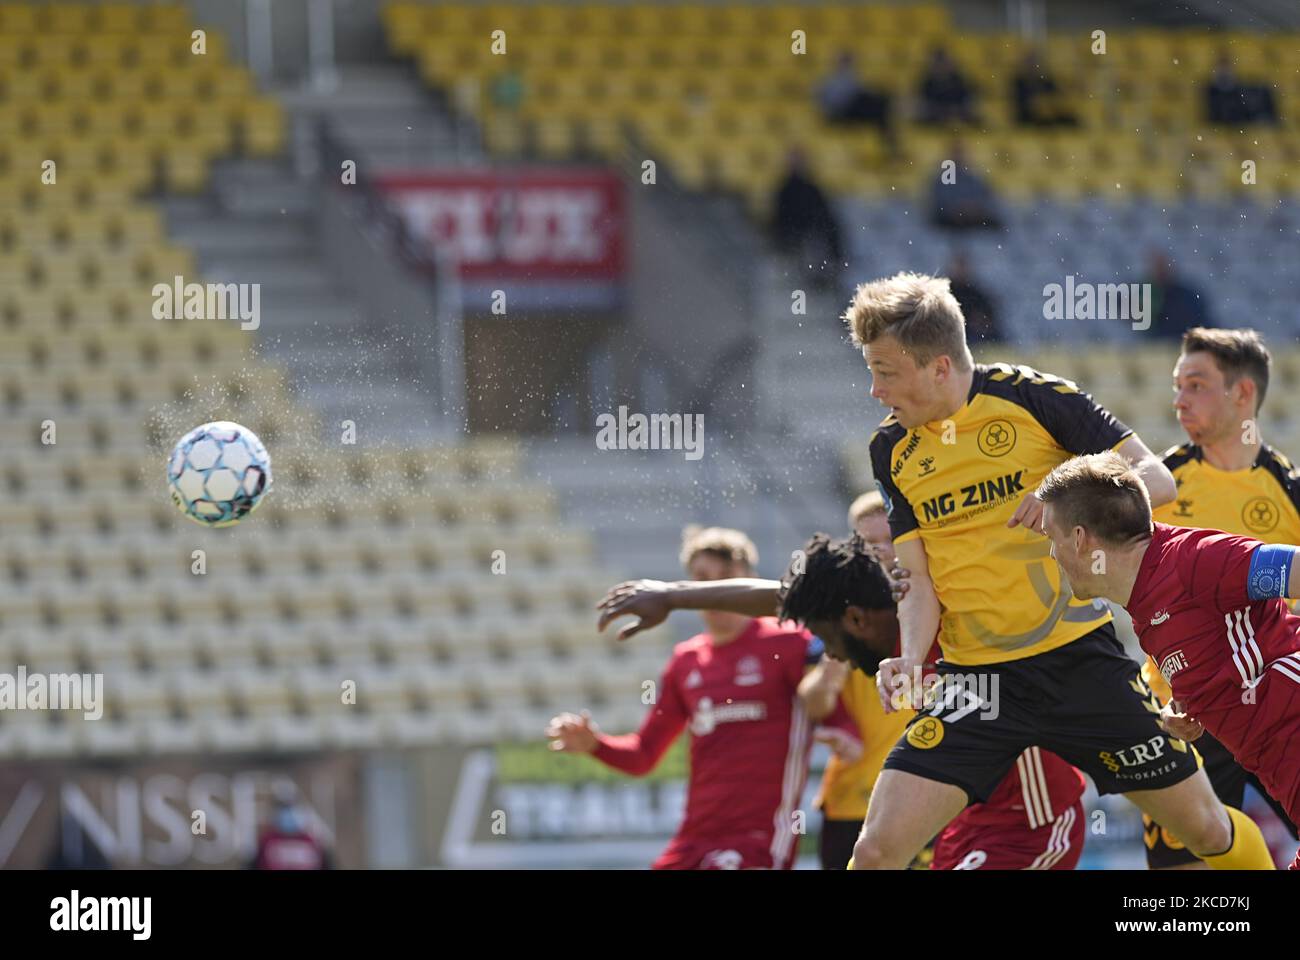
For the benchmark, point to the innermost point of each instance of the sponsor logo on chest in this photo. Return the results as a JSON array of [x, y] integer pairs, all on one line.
[[973, 498], [707, 715]]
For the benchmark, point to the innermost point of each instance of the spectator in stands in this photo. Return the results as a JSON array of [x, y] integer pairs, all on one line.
[[962, 198], [1175, 305], [1037, 96], [506, 90], [1229, 101], [946, 96], [976, 305], [286, 843], [804, 225], [845, 99]]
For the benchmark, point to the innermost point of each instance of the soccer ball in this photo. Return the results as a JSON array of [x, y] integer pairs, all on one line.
[[218, 473]]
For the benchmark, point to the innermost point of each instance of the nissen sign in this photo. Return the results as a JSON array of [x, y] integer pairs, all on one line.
[[171, 815]]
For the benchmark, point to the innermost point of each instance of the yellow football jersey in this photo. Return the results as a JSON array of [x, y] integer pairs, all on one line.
[[846, 787], [1262, 501], [955, 483]]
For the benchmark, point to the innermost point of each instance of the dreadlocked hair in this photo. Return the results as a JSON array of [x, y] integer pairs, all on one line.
[[829, 576]]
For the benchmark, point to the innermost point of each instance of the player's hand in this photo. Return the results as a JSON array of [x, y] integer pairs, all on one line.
[[898, 582], [894, 681], [842, 743], [573, 733], [647, 600], [835, 671], [883, 554], [1029, 514], [1175, 722]]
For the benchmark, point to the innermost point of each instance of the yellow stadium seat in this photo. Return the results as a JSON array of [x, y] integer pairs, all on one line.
[[117, 18], [18, 18], [263, 127], [186, 169], [166, 18]]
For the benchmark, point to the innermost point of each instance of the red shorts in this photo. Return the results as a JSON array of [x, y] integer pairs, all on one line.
[[1056, 846], [737, 853]]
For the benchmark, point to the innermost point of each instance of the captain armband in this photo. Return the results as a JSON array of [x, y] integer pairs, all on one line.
[[1270, 570]]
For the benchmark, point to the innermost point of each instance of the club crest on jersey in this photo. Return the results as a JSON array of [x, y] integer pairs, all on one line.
[[693, 679], [997, 438], [1171, 665], [926, 733], [749, 672], [1160, 618], [1260, 515], [1184, 508]]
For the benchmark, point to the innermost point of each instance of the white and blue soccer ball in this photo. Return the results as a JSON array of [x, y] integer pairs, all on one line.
[[218, 473]]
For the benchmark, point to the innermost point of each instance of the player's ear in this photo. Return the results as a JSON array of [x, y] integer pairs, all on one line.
[[1246, 391], [942, 367]]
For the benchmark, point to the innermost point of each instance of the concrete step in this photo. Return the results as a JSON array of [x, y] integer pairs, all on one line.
[[263, 198], [323, 308], [275, 235], [282, 273]]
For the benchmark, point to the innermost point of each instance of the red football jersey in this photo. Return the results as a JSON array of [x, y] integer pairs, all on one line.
[[751, 738], [1039, 788], [1233, 662]]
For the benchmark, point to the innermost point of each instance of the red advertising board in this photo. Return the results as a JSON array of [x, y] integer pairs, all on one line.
[[535, 224]]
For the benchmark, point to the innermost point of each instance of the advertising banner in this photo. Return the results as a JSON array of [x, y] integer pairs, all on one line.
[[541, 224]]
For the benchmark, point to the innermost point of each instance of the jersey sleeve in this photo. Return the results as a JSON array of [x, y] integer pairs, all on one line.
[[902, 520], [1073, 418], [1215, 569], [638, 753]]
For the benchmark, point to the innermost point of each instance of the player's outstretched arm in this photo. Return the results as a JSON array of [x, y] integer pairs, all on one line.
[[635, 753], [1159, 481], [650, 601], [918, 620]]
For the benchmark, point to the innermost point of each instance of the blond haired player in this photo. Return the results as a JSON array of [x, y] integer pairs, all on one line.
[[957, 461]]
